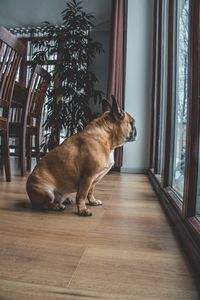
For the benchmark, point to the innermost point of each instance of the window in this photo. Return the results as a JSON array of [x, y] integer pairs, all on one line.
[[175, 152], [180, 93], [160, 88]]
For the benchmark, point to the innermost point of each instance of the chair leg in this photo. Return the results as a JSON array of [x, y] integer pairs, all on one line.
[[28, 151], [6, 155], [19, 158], [22, 153], [37, 147]]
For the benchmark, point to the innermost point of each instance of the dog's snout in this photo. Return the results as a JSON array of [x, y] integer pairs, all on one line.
[[134, 132]]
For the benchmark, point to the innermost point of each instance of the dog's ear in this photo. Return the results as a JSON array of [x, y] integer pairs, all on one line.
[[106, 106], [115, 107], [118, 113]]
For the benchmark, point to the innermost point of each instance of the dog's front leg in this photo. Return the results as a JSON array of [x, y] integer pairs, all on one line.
[[91, 199], [81, 196]]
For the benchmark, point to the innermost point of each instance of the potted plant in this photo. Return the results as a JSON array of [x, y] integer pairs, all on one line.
[[73, 84]]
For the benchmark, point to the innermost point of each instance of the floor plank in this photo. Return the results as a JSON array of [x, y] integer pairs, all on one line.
[[126, 250]]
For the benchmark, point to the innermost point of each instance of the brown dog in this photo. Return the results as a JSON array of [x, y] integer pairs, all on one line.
[[80, 162]]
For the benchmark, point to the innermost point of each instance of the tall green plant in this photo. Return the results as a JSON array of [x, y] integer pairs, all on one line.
[[73, 83]]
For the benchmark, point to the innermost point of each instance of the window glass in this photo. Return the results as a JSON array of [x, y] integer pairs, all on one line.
[[155, 83], [180, 92], [163, 87]]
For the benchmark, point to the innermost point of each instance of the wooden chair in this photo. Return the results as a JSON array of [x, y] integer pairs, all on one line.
[[11, 53], [26, 124], [38, 86]]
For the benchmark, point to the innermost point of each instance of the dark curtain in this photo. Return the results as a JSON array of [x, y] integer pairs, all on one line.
[[116, 61]]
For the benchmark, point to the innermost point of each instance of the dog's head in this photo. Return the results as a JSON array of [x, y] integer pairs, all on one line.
[[124, 123]]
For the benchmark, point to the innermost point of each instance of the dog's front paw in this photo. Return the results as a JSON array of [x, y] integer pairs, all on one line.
[[95, 202], [84, 212]]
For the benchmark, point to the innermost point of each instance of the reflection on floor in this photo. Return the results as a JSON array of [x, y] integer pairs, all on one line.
[[126, 250]]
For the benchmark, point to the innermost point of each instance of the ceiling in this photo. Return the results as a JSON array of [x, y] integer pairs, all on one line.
[[32, 12]]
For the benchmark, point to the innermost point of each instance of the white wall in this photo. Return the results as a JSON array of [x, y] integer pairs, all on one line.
[[138, 82]]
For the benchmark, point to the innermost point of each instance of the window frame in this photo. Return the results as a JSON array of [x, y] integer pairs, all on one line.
[[192, 153], [182, 211]]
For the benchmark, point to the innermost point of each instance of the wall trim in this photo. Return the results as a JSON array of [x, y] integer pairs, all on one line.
[[133, 170]]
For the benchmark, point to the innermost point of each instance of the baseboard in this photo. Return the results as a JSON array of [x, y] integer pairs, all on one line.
[[133, 170]]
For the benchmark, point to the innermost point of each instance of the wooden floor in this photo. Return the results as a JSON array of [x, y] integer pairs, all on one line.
[[126, 250]]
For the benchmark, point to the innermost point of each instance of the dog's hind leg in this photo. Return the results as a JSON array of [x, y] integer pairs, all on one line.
[[58, 203], [40, 199], [45, 199]]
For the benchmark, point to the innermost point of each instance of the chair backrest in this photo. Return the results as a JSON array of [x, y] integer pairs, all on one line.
[[38, 85], [11, 53]]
